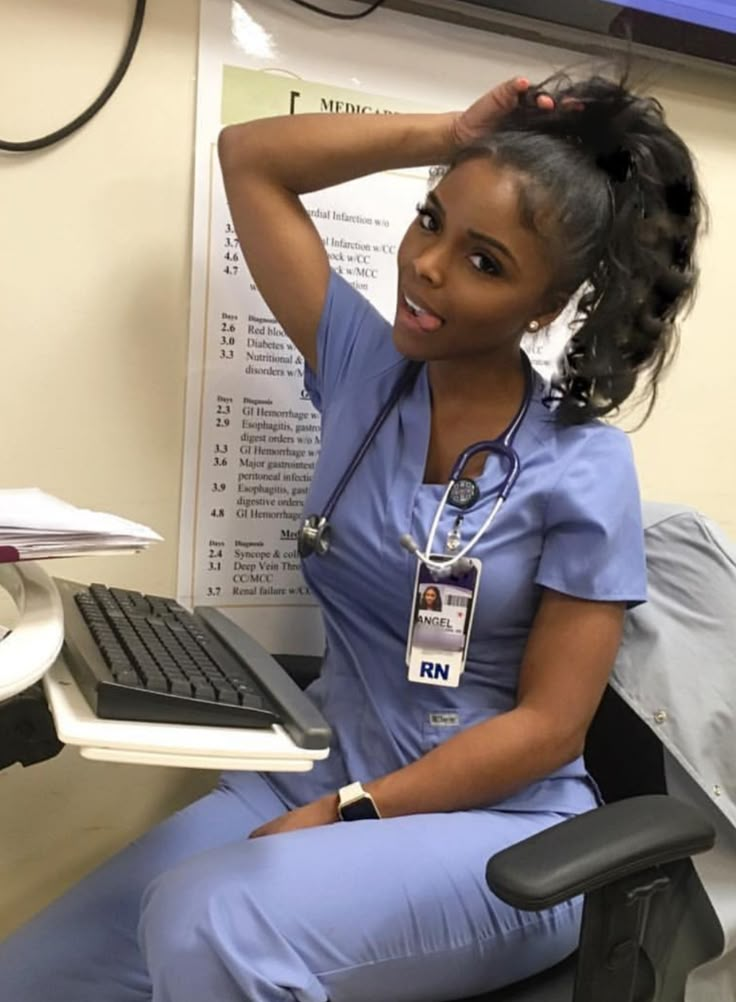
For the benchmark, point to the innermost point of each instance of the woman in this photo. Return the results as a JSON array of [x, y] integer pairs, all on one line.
[[259, 892], [431, 599]]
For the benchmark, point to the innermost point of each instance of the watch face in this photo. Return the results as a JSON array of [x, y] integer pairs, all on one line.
[[360, 810]]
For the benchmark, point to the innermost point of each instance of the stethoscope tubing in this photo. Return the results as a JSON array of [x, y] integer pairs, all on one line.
[[404, 381], [501, 446]]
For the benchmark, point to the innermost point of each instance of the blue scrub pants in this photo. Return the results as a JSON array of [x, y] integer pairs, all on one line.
[[395, 910]]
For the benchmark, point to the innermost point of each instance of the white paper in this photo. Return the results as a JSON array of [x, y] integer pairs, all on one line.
[[39, 525]]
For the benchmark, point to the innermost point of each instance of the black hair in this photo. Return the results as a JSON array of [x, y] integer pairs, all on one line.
[[437, 607], [616, 190]]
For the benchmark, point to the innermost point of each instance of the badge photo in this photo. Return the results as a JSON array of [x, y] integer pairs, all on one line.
[[439, 630]]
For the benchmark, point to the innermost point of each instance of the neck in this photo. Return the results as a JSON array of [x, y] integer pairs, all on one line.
[[472, 386]]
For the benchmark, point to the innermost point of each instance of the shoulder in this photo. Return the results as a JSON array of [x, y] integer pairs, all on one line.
[[592, 444], [349, 311], [354, 343]]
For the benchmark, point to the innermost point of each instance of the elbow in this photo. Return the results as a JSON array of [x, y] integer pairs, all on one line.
[[576, 747], [565, 744], [557, 744], [227, 144], [571, 746], [236, 147]]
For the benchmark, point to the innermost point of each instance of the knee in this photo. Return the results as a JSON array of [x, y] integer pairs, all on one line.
[[178, 921]]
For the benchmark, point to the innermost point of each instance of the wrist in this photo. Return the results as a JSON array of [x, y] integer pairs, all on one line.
[[459, 135], [330, 807], [450, 135]]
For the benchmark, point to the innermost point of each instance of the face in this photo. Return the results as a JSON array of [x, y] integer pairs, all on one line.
[[472, 276], [430, 598]]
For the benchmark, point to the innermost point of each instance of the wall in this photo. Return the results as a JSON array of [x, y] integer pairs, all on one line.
[[94, 286], [94, 297]]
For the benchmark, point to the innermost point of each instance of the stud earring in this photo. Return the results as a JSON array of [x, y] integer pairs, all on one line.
[[533, 326]]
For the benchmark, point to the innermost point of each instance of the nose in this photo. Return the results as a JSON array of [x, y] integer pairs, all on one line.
[[429, 266]]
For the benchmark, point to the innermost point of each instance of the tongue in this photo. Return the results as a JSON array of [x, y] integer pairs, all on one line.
[[428, 322]]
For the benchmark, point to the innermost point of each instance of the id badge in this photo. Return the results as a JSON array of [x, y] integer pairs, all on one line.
[[439, 631]]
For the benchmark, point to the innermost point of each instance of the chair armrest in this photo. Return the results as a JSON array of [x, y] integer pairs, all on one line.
[[597, 848]]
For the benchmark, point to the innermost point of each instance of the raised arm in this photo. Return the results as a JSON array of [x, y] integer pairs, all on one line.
[[268, 163]]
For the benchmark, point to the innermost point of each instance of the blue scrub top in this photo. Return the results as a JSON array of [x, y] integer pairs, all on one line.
[[571, 523]]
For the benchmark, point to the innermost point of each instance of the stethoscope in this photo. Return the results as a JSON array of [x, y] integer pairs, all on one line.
[[314, 536]]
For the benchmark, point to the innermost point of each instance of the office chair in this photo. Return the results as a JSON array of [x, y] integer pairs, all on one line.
[[647, 922]]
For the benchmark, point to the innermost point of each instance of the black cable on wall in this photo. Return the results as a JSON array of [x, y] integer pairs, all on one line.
[[120, 71], [339, 17]]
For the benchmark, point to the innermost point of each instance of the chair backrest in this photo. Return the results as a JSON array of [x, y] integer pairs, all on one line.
[[672, 685], [623, 755], [677, 663]]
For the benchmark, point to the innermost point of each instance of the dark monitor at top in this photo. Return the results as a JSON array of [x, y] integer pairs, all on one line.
[[718, 14], [705, 29]]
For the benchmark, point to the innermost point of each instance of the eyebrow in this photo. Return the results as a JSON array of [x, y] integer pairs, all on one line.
[[476, 234]]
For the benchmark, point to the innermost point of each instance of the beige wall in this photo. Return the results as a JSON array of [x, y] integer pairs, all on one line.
[[94, 307], [687, 450], [94, 277]]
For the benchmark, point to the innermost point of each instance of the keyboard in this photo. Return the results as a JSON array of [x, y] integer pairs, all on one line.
[[146, 658]]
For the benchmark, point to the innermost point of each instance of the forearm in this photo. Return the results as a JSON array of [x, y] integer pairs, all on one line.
[[304, 153], [477, 767]]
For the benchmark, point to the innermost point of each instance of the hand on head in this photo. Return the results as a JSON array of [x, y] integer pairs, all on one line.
[[483, 116]]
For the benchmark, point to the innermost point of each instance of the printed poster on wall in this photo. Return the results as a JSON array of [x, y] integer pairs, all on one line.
[[252, 436], [252, 433]]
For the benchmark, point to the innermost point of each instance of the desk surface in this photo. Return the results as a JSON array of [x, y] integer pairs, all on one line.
[[168, 744]]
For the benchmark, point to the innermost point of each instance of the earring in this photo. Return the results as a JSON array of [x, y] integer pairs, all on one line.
[[533, 326]]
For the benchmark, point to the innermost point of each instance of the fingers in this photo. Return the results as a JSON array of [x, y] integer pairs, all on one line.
[[520, 85]]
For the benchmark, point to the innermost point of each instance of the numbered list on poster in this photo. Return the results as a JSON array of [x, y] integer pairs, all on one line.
[[259, 435]]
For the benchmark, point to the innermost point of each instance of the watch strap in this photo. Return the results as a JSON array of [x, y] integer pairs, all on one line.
[[354, 803]]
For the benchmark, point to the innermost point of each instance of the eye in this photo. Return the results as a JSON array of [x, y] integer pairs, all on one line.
[[426, 218], [486, 264]]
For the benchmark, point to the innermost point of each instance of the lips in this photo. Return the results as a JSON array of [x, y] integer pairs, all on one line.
[[423, 317]]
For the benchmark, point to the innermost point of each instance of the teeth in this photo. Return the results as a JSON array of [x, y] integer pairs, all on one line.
[[413, 306]]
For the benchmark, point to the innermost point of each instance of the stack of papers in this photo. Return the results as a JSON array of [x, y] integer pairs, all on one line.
[[37, 526]]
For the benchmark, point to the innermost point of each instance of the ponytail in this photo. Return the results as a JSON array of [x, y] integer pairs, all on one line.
[[620, 188]]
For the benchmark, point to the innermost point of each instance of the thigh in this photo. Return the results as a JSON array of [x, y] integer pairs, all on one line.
[[83, 947], [396, 909]]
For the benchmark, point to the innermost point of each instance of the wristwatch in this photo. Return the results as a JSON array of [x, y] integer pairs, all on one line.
[[356, 804]]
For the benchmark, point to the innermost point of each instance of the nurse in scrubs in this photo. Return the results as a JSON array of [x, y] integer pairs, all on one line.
[[363, 880]]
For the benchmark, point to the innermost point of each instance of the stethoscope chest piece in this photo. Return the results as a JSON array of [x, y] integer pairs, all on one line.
[[314, 536], [464, 493]]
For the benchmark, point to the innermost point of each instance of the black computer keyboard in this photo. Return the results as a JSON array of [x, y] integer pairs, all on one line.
[[145, 657]]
